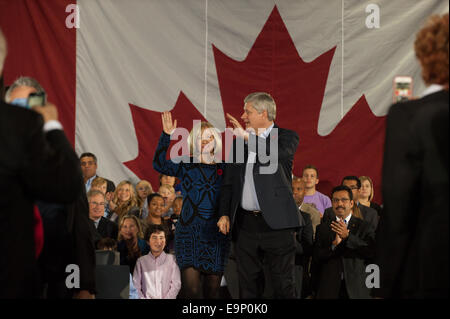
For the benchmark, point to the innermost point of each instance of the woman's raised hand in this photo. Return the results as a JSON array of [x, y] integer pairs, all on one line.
[[168, 125]]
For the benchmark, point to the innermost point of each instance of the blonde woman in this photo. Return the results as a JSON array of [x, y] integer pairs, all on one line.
[[143, 190], [131, 244], [199, 246], [168, 193], [366, 195], [124, 201]]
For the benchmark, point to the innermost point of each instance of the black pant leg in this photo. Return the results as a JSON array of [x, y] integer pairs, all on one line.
[[299, 281], [343, 291], [249, 265], [279, 252], [231, 274]]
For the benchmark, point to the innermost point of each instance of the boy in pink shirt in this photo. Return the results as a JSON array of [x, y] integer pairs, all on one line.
[[156, 275]]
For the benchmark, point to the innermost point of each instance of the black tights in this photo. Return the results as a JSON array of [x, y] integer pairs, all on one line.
[[192, 282]]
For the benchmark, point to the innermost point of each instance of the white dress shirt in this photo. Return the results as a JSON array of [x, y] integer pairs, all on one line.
[[249, 198], [433, 88], [96, 222]]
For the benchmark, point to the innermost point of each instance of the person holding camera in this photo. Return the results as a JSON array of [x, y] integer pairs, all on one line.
[[36, 162]]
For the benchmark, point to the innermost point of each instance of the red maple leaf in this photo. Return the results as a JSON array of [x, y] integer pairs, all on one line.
[[148, 128], [273, 65]]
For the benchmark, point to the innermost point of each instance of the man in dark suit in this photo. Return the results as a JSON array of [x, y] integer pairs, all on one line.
[[368, 214], [305, 238], [88, 162], [413, 235], [343, 246], [68, 233], [33, 165], [257, 202], [105, 228], [303, 253]]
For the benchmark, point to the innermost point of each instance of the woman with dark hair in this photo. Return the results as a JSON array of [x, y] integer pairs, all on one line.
[[155, 211], [200, 249]]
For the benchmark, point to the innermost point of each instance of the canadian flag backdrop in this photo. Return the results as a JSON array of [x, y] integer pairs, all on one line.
[[330, 74]]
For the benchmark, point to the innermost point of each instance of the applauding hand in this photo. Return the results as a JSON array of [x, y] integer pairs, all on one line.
[[340, 228], [168, 125]]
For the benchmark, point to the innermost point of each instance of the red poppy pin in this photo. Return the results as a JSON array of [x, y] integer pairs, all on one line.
[[219, 171]]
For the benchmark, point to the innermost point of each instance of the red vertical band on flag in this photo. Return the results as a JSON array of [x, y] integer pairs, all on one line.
[[41, 46]]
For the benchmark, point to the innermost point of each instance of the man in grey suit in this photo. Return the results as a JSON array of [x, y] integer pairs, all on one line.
[[343, 247], [256, 202]]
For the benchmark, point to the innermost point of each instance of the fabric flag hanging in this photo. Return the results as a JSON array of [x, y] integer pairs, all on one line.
[[329, 68]]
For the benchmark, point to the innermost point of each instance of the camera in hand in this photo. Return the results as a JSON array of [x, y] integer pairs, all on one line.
[[37, 99]]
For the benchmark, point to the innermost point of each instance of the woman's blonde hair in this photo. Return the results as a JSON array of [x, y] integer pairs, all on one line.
[[196, 133], [356, 212], [145, 183], [123, 208], [98, 182], [367, 178], [137, 222], [170, 188]]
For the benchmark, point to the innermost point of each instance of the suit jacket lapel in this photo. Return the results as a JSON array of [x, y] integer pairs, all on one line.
[[101, 225], [353, 224], [273, 134], [331, 235], [241, 166]]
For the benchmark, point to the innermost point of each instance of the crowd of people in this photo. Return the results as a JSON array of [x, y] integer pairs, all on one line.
[[209, 223], [131, 230]]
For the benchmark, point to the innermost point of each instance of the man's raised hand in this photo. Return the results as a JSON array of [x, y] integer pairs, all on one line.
[[238, 129]]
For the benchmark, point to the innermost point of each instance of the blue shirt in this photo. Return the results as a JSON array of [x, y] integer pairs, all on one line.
[[89, 182], [133, 291]]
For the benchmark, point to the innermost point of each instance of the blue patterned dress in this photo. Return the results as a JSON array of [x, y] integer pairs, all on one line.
[[198, 242]]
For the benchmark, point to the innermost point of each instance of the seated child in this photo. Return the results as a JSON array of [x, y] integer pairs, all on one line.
[[168, 193], [176, 207]]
